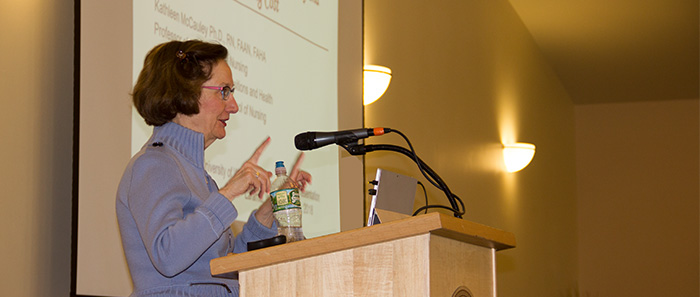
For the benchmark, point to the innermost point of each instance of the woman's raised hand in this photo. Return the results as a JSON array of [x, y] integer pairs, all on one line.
[[250, 178], [302, 178]]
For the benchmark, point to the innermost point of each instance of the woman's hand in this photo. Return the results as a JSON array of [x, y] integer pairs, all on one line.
[[302, 178], [250, 178], [264, 214]]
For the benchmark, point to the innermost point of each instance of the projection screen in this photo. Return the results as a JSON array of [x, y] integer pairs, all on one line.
[[297, 66]]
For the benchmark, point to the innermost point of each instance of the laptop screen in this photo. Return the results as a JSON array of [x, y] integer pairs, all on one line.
[[393, 192]]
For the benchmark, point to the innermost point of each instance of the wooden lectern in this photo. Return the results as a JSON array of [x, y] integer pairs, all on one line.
[[427, 255]]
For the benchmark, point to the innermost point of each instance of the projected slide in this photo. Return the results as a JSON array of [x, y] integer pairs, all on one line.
[[283, 55], [290, 74]]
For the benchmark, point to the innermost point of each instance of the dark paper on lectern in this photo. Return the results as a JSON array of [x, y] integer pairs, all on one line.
[[393, 192]]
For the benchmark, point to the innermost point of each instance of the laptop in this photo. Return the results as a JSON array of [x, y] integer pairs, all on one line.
[[393, 192]]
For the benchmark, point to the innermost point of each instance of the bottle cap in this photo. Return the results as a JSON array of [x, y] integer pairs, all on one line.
[[279, 164]]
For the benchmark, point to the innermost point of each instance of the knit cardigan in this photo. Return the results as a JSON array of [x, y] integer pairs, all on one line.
[[173, 220]]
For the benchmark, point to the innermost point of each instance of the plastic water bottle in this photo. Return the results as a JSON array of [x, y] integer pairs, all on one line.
[[286, 206]]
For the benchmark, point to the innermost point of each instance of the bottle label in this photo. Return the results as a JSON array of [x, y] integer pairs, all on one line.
[[285, 199]]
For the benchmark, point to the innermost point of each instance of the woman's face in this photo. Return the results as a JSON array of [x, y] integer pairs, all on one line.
[[213, 111]]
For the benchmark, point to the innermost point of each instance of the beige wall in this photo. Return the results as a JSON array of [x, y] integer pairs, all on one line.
[[36, 61], [467, 76], [638, 189]]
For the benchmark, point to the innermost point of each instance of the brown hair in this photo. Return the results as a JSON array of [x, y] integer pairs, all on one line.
[[171, 79]]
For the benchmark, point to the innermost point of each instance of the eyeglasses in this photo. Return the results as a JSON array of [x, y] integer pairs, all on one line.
[[225, 91]]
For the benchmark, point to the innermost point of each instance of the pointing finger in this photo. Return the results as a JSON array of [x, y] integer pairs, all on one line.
[[258, 152], [295, 170]]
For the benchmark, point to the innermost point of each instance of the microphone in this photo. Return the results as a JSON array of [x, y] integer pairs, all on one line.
[[313, 140]]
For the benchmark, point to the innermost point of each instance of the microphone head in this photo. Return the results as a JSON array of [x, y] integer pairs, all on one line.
[[305, 141]]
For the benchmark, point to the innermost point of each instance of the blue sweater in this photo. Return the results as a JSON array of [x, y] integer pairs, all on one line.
[[173, 220]]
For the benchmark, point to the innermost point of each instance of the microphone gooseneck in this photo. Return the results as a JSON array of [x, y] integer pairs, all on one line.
[[348, 139]]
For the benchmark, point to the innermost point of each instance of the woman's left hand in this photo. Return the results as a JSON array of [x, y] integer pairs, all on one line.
[[264, 213], [302, 178]]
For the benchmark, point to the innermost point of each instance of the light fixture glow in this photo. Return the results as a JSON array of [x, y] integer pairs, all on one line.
[[376, 81], [518, 155]]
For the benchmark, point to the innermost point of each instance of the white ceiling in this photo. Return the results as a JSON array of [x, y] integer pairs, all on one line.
[[619, 50]]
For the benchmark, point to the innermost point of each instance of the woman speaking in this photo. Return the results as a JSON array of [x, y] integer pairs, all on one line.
[[173, 218]]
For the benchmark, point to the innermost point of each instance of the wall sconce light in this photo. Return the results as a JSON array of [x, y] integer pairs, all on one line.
[[376, 81], [518, 155]]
